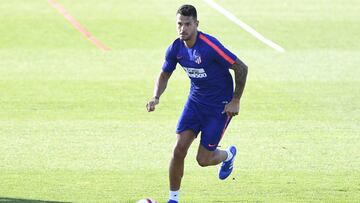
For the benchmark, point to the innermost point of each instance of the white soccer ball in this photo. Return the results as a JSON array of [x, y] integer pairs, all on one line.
[[147, 200]]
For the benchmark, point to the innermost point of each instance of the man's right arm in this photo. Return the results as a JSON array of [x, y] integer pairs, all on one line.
[[159, 88]]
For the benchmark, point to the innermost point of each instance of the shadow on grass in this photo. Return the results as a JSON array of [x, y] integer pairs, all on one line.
[[15, 200]]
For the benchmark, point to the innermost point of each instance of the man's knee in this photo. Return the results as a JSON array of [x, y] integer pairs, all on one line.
[[183, 143], [203, 161]]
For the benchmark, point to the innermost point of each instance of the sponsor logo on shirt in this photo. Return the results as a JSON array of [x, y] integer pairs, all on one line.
[[195, 72]]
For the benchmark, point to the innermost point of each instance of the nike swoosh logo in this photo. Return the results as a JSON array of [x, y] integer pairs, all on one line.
[[178, 57], [211, 145]]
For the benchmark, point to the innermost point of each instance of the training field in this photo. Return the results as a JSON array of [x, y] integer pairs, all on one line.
[[73, 123]]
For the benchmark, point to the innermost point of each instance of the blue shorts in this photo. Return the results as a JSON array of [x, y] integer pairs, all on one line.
[[209, 120]]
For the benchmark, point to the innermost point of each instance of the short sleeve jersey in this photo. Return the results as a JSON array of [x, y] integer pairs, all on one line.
[[207, 65]]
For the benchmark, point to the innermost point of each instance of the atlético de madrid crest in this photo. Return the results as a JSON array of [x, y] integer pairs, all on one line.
[[197, 57]]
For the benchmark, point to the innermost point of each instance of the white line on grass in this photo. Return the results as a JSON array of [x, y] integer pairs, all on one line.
[[244, 26]]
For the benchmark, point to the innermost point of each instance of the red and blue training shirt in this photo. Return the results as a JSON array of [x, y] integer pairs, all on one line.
[[207, 65]]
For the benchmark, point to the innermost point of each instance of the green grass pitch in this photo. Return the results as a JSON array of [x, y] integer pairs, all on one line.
[[73, 123]]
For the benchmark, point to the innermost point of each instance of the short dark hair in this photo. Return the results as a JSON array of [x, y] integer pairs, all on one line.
[[187, 10]]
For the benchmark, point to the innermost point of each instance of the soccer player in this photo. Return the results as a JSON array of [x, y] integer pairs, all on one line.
[[212, 100]]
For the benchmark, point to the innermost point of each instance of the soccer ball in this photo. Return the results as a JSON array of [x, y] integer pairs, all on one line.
[[147, 200]]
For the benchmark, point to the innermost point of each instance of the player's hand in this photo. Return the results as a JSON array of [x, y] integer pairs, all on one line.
[[232, 108], [150, 106]]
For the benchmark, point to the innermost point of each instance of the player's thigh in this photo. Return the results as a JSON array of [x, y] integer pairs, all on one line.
[[213, 131], [204, 153], [189, 119], [184, 140]]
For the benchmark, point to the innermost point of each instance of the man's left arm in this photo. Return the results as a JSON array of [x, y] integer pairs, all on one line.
[[240, 70]]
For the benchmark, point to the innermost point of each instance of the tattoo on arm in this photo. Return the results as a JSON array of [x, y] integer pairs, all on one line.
[[240, 70]]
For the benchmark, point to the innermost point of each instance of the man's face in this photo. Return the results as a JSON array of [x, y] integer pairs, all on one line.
[[186, 26]]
